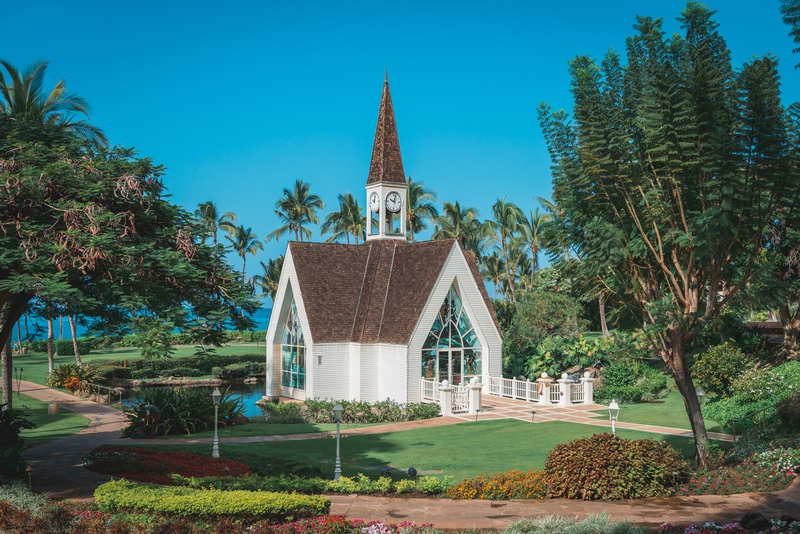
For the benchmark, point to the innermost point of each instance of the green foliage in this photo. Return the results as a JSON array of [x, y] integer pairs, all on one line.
[[155, 336], [12, 422], [774, 384], [183, 411], [789, 412], [62, 373], [736, 407], [321, 411], [717, 368], [239, 370], [192, 366], [64, 347], [121, 495], [631, 381], [361, 484], [541, 314], [18, 495], [608, 468]]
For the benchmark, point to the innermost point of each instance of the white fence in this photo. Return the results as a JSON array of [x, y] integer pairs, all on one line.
[[514, 389], [462, 399], [544, 390]]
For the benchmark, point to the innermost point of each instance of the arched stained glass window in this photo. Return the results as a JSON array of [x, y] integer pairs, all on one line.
[[451, 350], [293, 353]]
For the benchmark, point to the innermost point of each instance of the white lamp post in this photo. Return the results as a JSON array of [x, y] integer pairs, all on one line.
[[337, 416], [613, 414], [216, 396], [701, 397]]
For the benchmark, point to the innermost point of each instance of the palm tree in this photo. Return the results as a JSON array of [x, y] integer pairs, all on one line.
[[532, 229], [419, 207], [244, 242], [212, 221], [507, 217], [349, 220], [296, 209], [272, 274], [455, 222], [23, 102], [554, 239], [493, 270]]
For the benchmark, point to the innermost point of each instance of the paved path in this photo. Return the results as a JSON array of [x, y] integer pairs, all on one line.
[[59, 473]]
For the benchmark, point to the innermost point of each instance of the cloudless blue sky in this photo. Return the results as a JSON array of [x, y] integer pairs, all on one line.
[[240, 99]]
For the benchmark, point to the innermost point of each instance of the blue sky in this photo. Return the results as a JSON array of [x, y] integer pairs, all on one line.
[[240, 99]]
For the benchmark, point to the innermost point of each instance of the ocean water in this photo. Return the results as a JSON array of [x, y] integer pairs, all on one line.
[[37, 327]]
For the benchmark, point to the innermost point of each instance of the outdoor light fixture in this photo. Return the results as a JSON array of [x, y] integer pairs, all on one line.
[[216, 396], [386, 473], [477, 412], [29, 470], [412, 473], [613, 414], [701, 397], [337, 416], [533, 414]]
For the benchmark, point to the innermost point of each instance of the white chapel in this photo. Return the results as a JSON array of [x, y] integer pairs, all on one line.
[[369, 321]]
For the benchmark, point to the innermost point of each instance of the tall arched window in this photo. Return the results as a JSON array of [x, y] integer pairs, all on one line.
[[293, 353], [452, 351]]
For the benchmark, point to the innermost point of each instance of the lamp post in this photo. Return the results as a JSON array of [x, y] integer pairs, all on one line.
[[216, 396], [337, 416], [701, 397], [613, 414]]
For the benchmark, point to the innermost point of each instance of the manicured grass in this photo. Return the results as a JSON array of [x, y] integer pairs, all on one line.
[[265, 429], [34, 364], [669, 412], [461, 451], [48, 427]]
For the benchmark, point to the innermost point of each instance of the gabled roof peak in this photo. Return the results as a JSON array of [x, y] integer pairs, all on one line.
[[386, 164]]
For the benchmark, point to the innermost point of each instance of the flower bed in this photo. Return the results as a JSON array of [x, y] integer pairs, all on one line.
[[146, 465], [778, 527], [728, 480], [513, 484]]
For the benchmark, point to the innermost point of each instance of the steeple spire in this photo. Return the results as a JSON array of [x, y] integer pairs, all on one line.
[[386, 164]]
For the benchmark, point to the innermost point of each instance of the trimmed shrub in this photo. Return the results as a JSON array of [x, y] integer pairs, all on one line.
[[282, 412], [121, 495], [238, 370], [63, 347], [717, 368], [197, 365], [513, 484], [607, 468], [321, 411], [630, 381]]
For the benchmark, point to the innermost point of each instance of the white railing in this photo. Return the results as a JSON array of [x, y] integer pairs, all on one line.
[[460, 399], [430, 390], [543, 391]]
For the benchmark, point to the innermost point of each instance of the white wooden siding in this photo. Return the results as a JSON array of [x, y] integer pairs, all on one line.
[[456, 269], [370, 371], [332, 376], [393, 372]]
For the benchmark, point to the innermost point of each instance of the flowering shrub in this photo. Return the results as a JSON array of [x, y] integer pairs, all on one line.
[[778, 527], [513, 484], [743, 478], [776, 383], [755, 441], [338, 524], [786, 460], [120, 495], [605, 467], [147, 465], [321, 411]]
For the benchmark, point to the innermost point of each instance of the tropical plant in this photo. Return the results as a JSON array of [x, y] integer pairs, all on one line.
[[244, 241], [493, 270], [670, 176], [211, 221], [297, 209], [63, 373], [419, 207], [717, 368], [27, 106], [507, 218], [12, 422], [531, 234], [348, 221], [271, 276]]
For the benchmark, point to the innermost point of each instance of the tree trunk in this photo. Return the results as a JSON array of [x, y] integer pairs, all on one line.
[[75, 341], [7, 383], [50, 349], [603, 324], [674, 358], [508, 271], [27, 332], [61, 327], [791, 330], [19, 336]]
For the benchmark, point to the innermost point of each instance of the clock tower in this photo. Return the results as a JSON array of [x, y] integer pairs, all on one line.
[[386, 183]]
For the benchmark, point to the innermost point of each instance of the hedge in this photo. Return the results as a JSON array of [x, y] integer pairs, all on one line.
[[121, 495], [139, 368]]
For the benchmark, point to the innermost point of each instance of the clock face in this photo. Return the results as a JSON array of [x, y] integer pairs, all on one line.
[[393, 202], [374, 202]]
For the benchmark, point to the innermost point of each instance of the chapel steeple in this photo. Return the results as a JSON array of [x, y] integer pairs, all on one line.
[[386, 183]]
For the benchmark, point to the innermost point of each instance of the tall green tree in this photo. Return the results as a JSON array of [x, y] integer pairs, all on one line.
[[270, 276], [212, 221], [348, 221], [297, 209], [32, 112], [532, 229], [507, 218], [244, 241], [420, 207], [493, 270], [463, 224], [790, 11], [667, 182]]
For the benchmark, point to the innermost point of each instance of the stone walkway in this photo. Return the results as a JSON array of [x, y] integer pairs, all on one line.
[[58, 472]]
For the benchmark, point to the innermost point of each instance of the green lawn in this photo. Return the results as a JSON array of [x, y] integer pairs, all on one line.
[[460, 451], [669, 412], [34, 364], [266, 429], [48, 427]]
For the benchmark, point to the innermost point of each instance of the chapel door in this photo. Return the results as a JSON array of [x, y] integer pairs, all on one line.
[[451, 366]]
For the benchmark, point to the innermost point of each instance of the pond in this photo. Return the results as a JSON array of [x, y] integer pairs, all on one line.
[[249, 393]]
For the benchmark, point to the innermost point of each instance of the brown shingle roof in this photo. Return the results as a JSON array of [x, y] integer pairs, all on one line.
[[373, 292], [386, 164]]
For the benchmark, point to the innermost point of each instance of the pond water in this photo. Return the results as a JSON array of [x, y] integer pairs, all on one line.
[[249, 393]]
